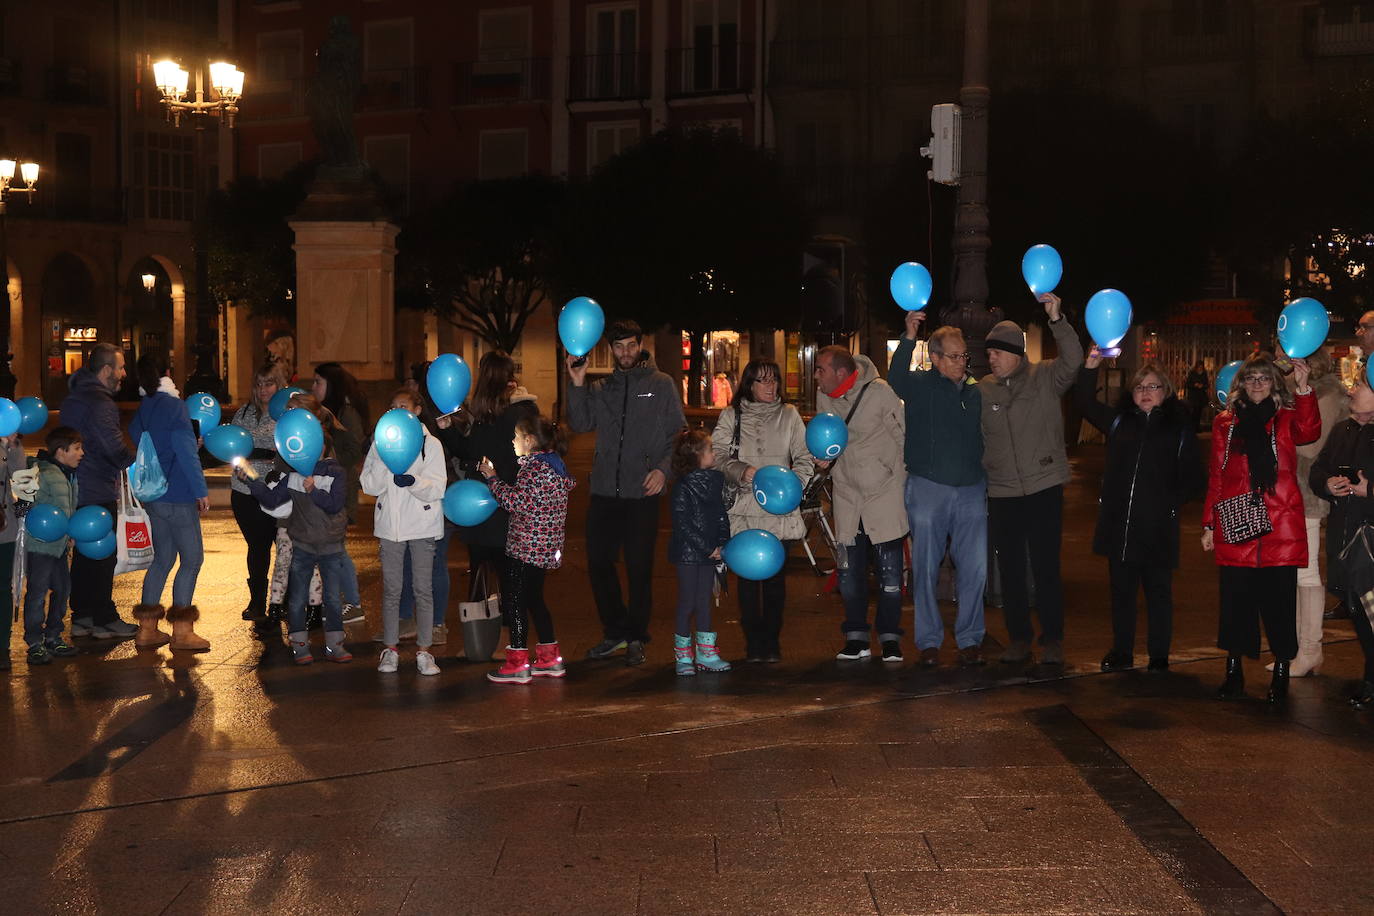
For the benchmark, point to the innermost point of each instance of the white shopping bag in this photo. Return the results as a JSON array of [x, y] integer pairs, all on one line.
[[133, 532]]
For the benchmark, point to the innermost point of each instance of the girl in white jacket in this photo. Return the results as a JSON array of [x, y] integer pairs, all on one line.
[[408, 519]]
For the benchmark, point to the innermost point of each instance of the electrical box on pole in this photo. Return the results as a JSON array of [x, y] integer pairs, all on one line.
[[943, 151]]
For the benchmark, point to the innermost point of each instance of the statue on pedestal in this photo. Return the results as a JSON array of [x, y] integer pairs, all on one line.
[[332, 96]]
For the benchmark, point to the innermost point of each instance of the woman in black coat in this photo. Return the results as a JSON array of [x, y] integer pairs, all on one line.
[[1341, 475], [1153, 467]]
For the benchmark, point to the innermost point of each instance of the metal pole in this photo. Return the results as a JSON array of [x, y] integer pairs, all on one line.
[[971, 239]]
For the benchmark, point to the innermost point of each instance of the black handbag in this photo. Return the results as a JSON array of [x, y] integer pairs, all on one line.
[[730, 491], [1244, 517]]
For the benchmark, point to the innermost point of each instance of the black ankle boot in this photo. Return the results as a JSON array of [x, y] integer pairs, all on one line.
[[1364, 697], [1234, 685], [1278, 687]]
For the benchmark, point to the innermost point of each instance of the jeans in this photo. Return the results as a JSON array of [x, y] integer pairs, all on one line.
[[854, 588], [93, 583], [48, 577], [259, 531], [1031, 523], [333, 567], [1249, 595], [176, 532], [695, 593], [1158, 580], [941, 514], [394, 560], [632, 525], [439, 583]]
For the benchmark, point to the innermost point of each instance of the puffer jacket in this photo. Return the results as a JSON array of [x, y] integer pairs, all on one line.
[[1334, 407], [317, 521], [1229, 475], [262, 428], [55, 488], [1153, 467], [410, 513], [700, 524], [870, 470], [538, 507], [636, 414], [770, 433], [1023, 422], [90, 409]]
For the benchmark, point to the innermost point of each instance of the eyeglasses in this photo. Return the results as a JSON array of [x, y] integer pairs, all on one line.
[[1149, 388], [772, 380], [955, 357], [1364, 326], [1255, 378]]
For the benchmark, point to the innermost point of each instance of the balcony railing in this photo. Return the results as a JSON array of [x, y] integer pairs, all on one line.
[[608, 77], [76, 86], [1167, 40], [710, 70], [394, 89], [1323, 38], [494, 82]]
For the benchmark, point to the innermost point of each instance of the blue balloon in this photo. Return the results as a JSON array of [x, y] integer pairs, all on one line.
[[46, 522], [777, 489], [911, 286], [277, 406], [1225, 377], [98, 550], [205, 408], [10, 417], [448, 380], [1043, 268], [90, 523], [229, 442], [1303, 325], [754, 554], [826, 436], [33, 414], [580, 324], [468, 503], [1108, 316], [398, 437], [300, 440]]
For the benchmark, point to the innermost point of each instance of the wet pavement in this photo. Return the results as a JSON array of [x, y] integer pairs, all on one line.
[[233, 781]]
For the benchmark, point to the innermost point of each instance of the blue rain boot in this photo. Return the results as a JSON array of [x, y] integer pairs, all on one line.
[[708, 659], [682, 653]]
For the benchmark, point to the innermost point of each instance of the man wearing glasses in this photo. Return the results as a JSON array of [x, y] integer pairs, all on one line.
[[946, 488]]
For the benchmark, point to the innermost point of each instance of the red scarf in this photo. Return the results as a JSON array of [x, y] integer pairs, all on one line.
[[842, 388]]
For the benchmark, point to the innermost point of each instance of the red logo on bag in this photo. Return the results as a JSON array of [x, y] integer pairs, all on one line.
[[136, 535]]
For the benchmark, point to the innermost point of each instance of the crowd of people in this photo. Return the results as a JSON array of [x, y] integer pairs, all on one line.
[[950, 464]]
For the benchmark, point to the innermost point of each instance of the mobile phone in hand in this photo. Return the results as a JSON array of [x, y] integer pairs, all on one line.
[[1347, 472]]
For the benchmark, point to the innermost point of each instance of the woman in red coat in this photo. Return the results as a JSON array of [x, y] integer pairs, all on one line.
[[1254, 450]]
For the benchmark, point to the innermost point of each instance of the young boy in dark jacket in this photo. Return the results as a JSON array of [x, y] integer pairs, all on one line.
[[46, 561]]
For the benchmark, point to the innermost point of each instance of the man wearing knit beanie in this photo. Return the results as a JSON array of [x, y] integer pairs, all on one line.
[[1027, 467]]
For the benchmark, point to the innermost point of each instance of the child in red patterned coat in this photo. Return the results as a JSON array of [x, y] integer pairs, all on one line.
[[538, 507]]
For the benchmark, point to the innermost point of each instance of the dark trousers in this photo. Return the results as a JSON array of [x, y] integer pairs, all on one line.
[[1365, 631], [760, 613], [1035, 523], [259, 532], [6, 594], [93, 584], [614, 525], [1158, 581], [523, 600], [695, 592], [1249, 595]]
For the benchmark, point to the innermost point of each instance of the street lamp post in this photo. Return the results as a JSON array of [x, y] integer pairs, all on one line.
[[226, 81], [28, 174]]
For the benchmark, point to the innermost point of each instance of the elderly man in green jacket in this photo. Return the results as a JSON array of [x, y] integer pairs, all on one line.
[[1027, 467]]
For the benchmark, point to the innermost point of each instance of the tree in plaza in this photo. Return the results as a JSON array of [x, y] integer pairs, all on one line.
[[691, 229], [480, 258], [249, 256]]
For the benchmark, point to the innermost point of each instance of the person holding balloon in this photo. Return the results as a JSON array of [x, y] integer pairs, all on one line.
[[770, 433], [175, 516], [700, 530], [259, 529], [404, 470], [12, 461], [47, 546], [338, 392], [1253, 517]]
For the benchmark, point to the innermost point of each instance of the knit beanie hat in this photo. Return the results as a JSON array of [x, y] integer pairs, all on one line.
[[1007, 335]]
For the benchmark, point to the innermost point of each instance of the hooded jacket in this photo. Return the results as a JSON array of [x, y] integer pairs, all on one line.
[[700, 524], [410, 513], [164, 418], [316, 522], [90, 409], [538, 507], [869, 470], [636, 413], [771, 432], [1229, 475], [1023, 421], [55, 488]]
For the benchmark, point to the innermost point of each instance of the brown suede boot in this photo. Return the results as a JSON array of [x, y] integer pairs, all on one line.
[[149, 635], [183, 619]]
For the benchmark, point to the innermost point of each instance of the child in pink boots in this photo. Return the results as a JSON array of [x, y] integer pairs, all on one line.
[[538, 507]]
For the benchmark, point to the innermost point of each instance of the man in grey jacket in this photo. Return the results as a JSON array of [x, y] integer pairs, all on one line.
[[636, 413], [1027, 467]]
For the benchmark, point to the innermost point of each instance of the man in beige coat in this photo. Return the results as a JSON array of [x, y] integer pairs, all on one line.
[[870, 518]]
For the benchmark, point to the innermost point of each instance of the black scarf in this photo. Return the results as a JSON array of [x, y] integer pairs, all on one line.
[[1251, 428]]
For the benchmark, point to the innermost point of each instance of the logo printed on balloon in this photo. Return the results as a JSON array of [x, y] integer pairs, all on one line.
[[277, 406], [826, 436], [300, 440], [1225, 378], [1302, 327], [398, 439]]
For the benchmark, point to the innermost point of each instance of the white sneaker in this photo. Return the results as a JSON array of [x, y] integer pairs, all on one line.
[[440, 635], [353, 613], [425, 663], [391, 659]]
